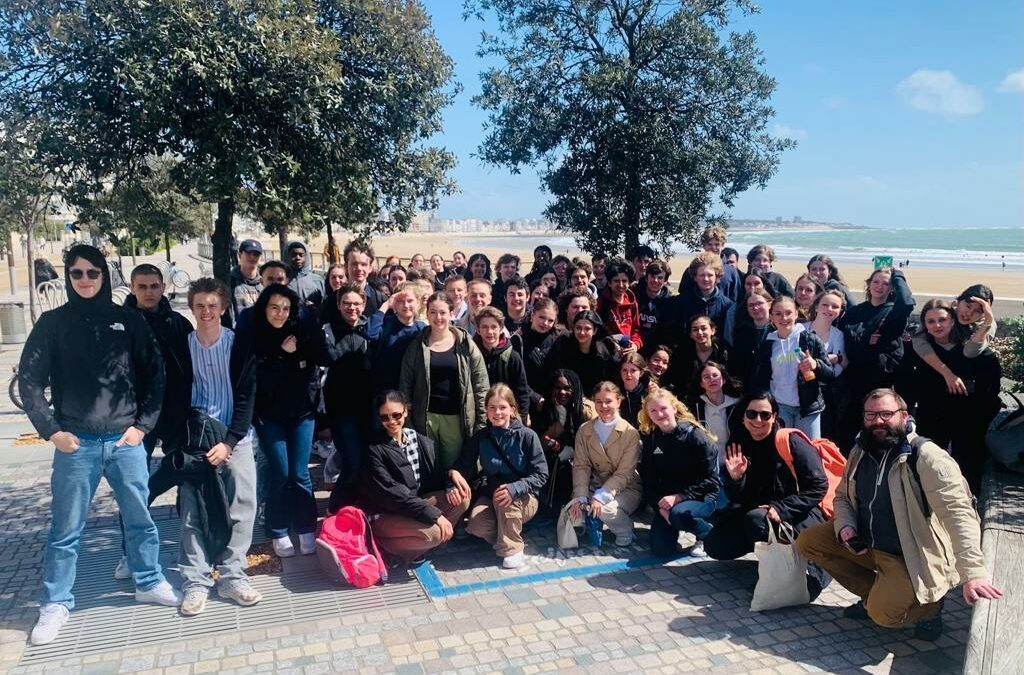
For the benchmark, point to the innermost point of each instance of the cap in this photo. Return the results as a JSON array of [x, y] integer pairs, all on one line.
[[250, 245]]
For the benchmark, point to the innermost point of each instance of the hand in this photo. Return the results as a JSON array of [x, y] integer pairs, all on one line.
[[980, 588], [576, 509], [954, 385], [873, 340], [651, 385], [736, 463], [290, 344], [807, 365], [667, 502], [595, 507], [131, 436], [848, 533], [461, 486], [218, 454], [626, 351], [986, 310], [65, 441], [502, 497], [834, 358], [771, 514], [445, 525], [665, 515]]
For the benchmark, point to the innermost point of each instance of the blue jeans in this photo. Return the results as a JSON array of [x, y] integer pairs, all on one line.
[[73, 484], [791, 418], [688, 516], [290, 501]]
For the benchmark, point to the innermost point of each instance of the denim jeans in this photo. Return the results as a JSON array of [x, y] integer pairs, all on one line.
[[290, 501], [73, 484], [688, 516], [349, 448], [791, 418], [239, 476]]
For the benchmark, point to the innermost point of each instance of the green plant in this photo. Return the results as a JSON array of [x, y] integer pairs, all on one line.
[[1010, 347]]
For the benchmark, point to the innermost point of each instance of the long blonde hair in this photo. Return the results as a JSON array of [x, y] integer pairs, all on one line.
[[683, 413]]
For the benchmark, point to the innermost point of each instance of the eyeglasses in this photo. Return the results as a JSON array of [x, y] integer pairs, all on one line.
[[93, 274], [884, 415], [391, 417], [765, 415]]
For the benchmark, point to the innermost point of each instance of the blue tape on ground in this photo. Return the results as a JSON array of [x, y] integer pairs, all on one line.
[[435, 588]]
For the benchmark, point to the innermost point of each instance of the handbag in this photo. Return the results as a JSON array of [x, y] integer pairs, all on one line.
[[781, 571]]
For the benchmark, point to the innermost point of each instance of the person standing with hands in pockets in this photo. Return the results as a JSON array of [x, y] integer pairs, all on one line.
[[104, 367]]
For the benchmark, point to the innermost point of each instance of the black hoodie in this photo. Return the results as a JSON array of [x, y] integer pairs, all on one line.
[[101, 361], [349, 383], [505, 365]]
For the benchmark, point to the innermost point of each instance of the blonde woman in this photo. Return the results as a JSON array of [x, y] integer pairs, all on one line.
[[605, 481], [679, 473]]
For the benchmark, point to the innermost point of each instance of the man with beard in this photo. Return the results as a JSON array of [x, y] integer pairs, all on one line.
[[905, 532]]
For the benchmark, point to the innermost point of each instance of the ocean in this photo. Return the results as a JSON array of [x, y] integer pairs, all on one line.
[[956, 247]]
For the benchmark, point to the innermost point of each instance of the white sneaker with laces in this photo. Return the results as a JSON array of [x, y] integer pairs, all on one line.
[[195, 601], [52, 616], [697, 550], [161, 594], [514, 561], [122, 572], [283, 547], [307, 543], [240, 591]]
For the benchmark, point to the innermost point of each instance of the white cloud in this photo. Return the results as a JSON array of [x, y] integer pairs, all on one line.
[[786, 131], [1013, 83], [940, 91]]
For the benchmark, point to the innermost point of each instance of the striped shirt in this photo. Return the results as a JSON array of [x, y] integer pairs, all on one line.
[[211, 375], [412, 451]]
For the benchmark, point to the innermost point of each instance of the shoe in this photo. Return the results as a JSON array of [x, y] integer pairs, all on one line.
[[161, 594], [857, 611], [239, 591], [194, 602], [624, 541], [52, 616], [122, 572], [261, 515], [324, 448], [697, 550], [929, 630], [283, 547], [814, 588], [307, 544], [514, 561]]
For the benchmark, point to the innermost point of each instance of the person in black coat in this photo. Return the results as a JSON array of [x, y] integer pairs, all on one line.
[[536, 339], [762, 257], [584, 351], [402, 487], [762, 489], [679, 473], [287, 353], [504, 363]]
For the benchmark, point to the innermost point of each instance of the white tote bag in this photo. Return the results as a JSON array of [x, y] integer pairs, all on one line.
[[781, 570]]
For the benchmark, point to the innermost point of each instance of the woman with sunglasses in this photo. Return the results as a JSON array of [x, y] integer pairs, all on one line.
[[402, 487], [512, 465], [763, 490]]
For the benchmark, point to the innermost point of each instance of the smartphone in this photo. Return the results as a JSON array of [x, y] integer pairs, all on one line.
[[856, 544]]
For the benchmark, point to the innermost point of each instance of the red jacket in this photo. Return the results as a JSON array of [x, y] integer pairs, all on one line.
[[621, 318]]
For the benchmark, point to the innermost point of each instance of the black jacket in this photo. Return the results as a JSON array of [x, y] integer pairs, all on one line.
[[288, 384], [650, 312], [809, 391], [890, 321], [171, 330], [348, 387], [746, 346], [683, 462], [512, 456], [534, 350], [596, 365], [768, 479], [102, 363], [388, 484], [505, 364], [779, 284], [374, 299], [677, 311]]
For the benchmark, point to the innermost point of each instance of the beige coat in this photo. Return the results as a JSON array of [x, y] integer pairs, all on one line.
[[612, 466], [942, 550]]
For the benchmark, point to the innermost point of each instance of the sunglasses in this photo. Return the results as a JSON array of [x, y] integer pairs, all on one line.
[[93, 274], [765, 415], [391, 417]]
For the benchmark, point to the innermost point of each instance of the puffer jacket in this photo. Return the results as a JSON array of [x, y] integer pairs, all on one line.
[[941, 540]]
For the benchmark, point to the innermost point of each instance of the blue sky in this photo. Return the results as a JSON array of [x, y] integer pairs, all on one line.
[[907, 114]]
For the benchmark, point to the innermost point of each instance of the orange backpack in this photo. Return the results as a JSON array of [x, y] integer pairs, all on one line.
[[831, 459]]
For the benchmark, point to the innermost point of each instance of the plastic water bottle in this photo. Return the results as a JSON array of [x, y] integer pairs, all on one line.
[[593, 528]]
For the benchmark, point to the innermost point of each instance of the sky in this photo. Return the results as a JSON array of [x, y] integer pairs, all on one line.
[[906, 114]]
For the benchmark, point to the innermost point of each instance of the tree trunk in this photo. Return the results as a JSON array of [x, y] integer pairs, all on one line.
[[167, 246], [282, 242], [222, 239], [330, 246], [12, 270], [31, 272]]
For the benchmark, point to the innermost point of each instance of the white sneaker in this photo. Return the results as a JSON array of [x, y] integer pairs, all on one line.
[[624, 540], [307, 543], [52, 616], [324, 448], [122, 572], [514, 561], [697, 550], [240, 591], [283, 547], [161, 594], [194, 602]]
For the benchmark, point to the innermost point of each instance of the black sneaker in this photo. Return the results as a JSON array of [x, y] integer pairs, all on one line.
[[930, 630], [857, 611]]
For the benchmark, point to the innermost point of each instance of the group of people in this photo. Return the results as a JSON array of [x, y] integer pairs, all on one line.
[[451, 395]]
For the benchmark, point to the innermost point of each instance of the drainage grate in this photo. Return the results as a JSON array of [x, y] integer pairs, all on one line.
[[107, 618]]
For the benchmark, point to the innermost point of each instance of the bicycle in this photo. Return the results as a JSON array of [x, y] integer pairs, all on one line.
[[15, 395], [180, 279]]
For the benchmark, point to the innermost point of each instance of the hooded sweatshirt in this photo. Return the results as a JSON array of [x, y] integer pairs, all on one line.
[[621, 317], [100, 360], [504, 364], [306, 284]]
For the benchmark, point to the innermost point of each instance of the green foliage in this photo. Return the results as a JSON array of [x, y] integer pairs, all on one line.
[[1010, 347], [644, 114], [322, 108]]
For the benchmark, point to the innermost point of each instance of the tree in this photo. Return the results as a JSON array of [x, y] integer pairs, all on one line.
[[321, 107], [643, 114]]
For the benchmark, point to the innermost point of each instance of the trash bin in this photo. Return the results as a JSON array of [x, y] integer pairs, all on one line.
[[12, 323]]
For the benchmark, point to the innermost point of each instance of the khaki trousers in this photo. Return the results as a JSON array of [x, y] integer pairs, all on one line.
[[502, 527], [409, 538], [880, 579]]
